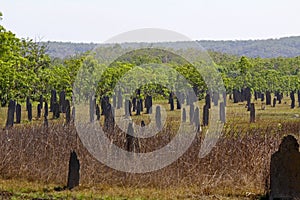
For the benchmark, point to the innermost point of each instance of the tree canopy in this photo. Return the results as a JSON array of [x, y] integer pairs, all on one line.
[[27, 70]]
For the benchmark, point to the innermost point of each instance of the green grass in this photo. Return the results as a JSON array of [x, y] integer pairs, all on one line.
[[234, 113], [21, 189]]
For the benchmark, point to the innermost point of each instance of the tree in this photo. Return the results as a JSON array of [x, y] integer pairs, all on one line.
[[21, 61]]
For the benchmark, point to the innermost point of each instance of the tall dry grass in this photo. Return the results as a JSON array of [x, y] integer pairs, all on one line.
[[239, 163]]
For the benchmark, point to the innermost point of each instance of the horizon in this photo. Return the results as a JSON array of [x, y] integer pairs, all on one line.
[[202, 40], [92, 21]]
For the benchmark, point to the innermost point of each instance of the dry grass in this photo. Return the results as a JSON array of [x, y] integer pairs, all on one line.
[[236, 168]]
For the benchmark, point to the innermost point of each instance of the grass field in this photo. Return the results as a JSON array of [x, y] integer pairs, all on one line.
[[234, 113], [35, 159], [18, 189]]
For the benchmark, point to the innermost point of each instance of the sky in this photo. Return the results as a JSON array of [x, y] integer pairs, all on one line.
[[99, 20]]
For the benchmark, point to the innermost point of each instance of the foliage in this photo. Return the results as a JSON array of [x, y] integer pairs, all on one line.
[[27, 70]]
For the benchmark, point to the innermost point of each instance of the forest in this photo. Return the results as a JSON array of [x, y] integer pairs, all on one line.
[[283, 47]]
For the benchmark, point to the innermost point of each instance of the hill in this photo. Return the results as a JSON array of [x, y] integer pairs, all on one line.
[[270, 48]]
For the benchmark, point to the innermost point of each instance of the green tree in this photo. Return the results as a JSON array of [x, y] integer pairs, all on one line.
[[21, 60]]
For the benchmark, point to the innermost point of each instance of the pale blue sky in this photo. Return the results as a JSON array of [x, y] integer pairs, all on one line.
[[98, 20]]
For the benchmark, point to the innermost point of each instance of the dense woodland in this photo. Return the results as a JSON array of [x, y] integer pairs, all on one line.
[[271, 48], [28, 71]]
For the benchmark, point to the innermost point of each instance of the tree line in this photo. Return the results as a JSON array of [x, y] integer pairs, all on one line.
[[28, 71], [271, 48]]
